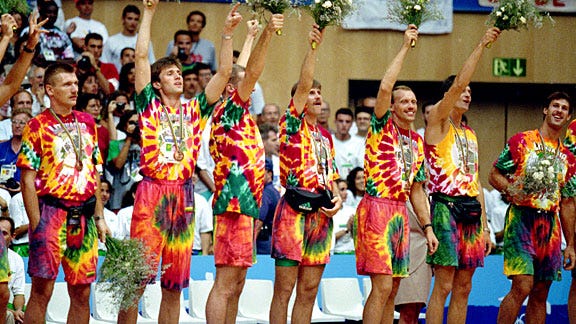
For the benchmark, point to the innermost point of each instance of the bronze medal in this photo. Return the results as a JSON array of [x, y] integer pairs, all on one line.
[[79, 165], [178, 155]]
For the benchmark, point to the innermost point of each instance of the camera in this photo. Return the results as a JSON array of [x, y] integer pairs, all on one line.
[[135, 135], [120, 106], [84, 63], [182, 56], [11, 184]]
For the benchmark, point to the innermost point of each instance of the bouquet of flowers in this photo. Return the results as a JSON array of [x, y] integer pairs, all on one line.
[[12, 6], [516, 14], [273, 6], [540, 178], [126, 268], [329, 12], [413, 12]]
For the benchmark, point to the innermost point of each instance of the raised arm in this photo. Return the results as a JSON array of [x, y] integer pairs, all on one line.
[[8, 23], [440, 113], [258, 57], [216, 85], [384, 98], [141, 62], [18, 71], [307, 71], [248, 42]]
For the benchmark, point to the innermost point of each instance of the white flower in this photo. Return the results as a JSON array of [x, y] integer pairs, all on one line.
[[417, 8], [498, 13], [523, 20], [327, 4], [505, 17], [545, 162], [551, 170], [316, 1], [538, 175]]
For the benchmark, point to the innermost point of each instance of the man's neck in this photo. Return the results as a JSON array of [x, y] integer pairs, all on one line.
[[311, 119], [62, 111], [195, 37], [16, 143], [128, 33], [549, 132], [342, 137], [86, 17], [400, 123], [362, 133], [170, 101]]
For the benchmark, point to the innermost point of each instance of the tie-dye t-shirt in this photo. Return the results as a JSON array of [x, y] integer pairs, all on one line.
[[238, 152], [384, 162], [48, 150], [157, 156], [453, 163], [570, 140], [299, 143], [521, 156]]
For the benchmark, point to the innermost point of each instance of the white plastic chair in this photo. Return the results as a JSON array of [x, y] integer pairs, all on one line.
[[342, 297], [198, 292], [317, 315], [57, 310], [151, 300], [255, 300], [103, 306]]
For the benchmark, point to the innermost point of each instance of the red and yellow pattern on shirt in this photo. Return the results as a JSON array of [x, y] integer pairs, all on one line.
[[446, 166], [521, 151], [383, 162], [157, 154], [298, 165], [48, 150], [237, 149]]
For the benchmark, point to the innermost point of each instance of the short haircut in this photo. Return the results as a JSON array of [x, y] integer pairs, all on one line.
[[124, 119], [83, 100], [12, 103], [344, 111], [560, 95], [54, 69], [398, 88], [130, 9], [188, 72], [25, 111], [448, 83], [126, 49], [196, 13], [11, 221], [162, 64], [426, 104], [182, 32], [200, 66], [315, 85], [91, 36], [363, 109], [43, 5], [83, 78], [235, 75], [266, 128]]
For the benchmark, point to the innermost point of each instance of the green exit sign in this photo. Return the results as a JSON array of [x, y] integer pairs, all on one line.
[[511, 67]]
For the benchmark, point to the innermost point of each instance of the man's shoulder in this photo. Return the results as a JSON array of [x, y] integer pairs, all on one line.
[[14, 259]]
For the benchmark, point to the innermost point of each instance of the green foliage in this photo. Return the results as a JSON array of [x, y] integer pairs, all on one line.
[[516, 14], [330, 12], [413, 12], [12, 6]]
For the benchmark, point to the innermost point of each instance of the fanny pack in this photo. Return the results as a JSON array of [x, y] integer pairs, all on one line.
[[305, 201], [87, 208], [465, 210]]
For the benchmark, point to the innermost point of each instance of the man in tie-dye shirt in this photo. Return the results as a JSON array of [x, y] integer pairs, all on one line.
[[570, 143], [238, 152], [394, 167], [452, 157], [537, 174], [301, 241], [171, 131]]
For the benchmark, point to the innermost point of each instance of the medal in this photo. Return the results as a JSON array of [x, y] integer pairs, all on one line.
[[178, 155], [79, 165]]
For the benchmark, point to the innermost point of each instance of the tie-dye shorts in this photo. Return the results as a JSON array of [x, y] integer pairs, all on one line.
[[532, 241], [460, 245], [382, 235], [53, 242], [304, 238], [233, 240], [162, 221]]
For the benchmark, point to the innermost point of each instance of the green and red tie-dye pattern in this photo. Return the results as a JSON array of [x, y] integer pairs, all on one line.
[[157, 155], [238, 152], [383, 159], [47, 149], [521, 150], [298, 166]]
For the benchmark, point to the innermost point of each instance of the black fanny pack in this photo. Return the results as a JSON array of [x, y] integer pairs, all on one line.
[[465, 210], [305, 201], [87, 208]]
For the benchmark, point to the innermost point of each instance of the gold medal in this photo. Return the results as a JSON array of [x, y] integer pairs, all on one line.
[[178, 155]]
